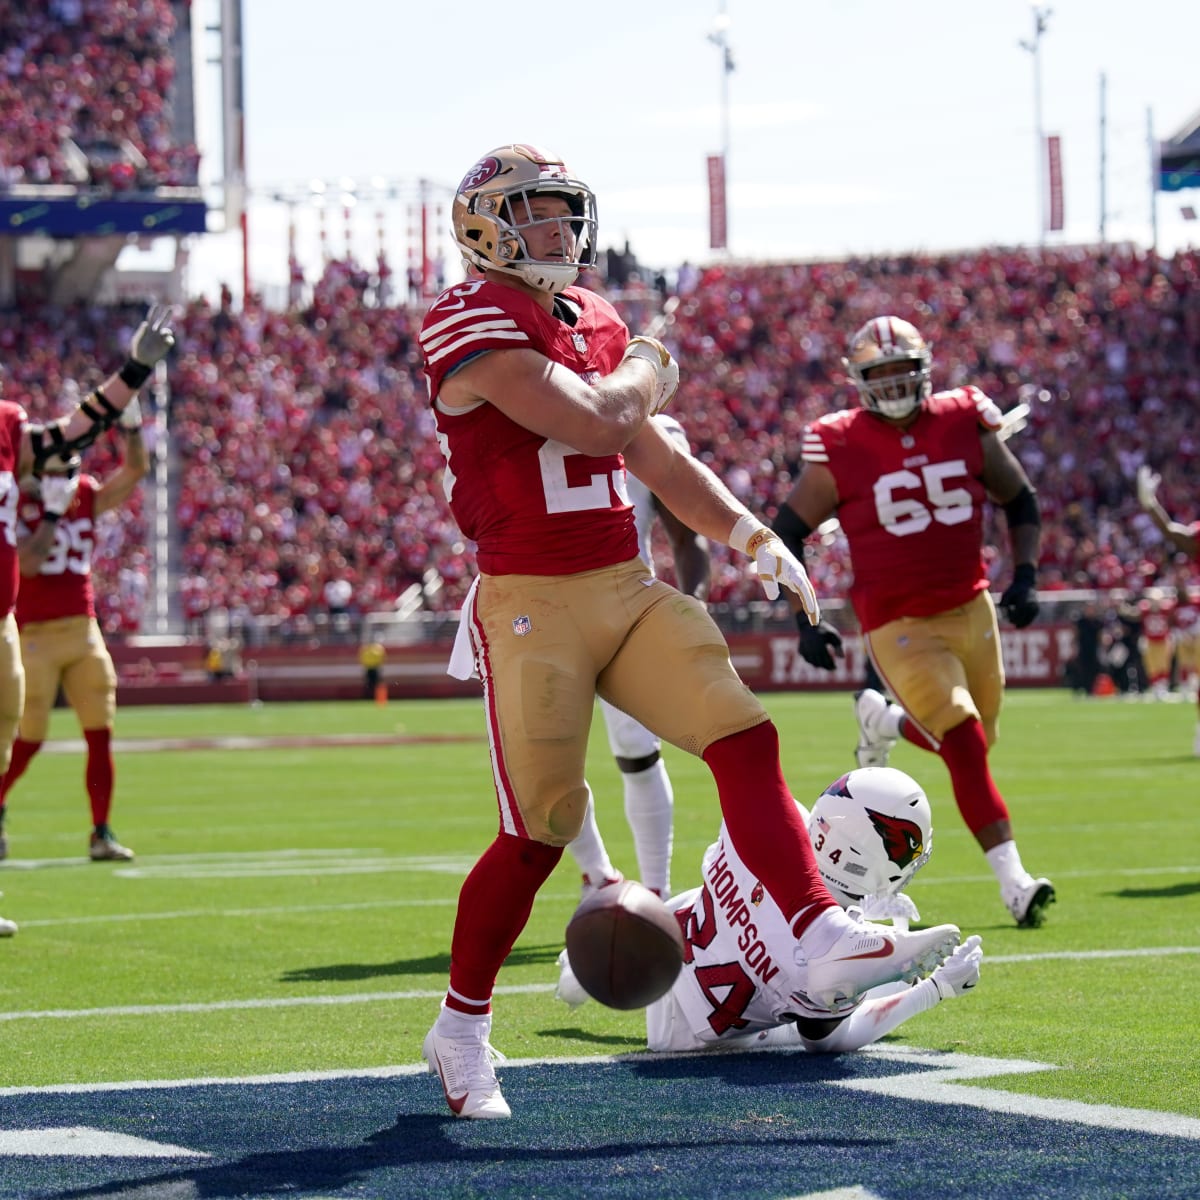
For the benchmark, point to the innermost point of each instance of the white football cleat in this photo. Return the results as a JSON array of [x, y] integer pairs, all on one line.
[[1028, 901], [864, 955], [588, 888], [569, 990], [104, 847], [878, 727], [465, 1065], [7, 928]]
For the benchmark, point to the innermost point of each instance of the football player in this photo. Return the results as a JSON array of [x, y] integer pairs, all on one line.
[[741, 986], [61, 641], [1185, 538], [541, 401], [25, 448], [908, 474]]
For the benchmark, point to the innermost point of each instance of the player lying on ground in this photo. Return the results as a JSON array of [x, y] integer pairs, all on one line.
[[871, 831]]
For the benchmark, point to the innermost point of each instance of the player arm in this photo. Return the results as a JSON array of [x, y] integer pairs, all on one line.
[[124, 481], [882, 1010], [151, 342], [812, 500], [1182, 537], [1009, 487], [693, 563], [34, 548], [551, 400]]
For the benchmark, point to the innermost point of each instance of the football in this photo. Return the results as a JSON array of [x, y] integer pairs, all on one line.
[[624, 945]]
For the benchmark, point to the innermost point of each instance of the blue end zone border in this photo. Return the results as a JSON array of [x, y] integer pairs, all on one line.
[[767, 1125]]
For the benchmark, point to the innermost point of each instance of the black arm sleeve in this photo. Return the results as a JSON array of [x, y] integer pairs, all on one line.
[[791, 529], [1023, 509]]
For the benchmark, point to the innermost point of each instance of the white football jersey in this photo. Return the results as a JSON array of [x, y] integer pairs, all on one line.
[[740, 974]]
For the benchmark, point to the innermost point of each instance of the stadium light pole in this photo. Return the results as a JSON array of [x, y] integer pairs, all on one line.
[[1041, 17]]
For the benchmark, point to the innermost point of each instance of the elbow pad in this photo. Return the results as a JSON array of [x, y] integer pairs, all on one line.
[[791, 529], [1022, 509]]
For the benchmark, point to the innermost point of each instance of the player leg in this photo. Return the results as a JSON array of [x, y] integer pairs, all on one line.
[[14, 753], [538, 669], [673, 674], [90, 686], [947, 672], [12, 701], [590, 853], [649, 797]]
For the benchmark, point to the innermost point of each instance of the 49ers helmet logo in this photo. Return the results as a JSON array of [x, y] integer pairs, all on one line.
[[479, 174], [901, 839]]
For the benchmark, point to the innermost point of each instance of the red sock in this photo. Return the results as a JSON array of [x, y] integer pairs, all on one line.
[[22, 752], [764, 822], [493, 907], [99, 773], [964, 751]]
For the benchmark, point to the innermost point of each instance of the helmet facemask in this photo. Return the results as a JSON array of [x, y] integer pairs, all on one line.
[[496, 212]]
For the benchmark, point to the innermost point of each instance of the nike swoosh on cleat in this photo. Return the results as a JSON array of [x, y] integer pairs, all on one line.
[[884, 951], [456, 1106]]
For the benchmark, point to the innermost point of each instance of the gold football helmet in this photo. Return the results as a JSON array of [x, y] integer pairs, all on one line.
[[880, 342], [491, 215]]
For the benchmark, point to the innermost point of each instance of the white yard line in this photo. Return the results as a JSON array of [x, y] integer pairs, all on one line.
[[216, 1006]]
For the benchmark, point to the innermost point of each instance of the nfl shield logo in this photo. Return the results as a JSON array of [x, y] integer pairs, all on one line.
[[580, 343], [522, 626]]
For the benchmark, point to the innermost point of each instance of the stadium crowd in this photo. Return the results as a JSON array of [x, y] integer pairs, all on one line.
[[95, 74], [306, 467]]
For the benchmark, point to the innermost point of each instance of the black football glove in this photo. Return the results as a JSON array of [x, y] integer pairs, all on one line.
[[818, 643], [1019, 602]]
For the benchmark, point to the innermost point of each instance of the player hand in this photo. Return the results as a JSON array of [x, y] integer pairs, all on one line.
[[960, 972], [819, 644], [153, 338], [1147, 486], [57, 493], [898, 908], [131, 417], [667, 369], [1019, 602]]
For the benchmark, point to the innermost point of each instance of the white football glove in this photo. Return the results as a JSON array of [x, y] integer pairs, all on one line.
[[667, 369], [774, 564], [153, 338], [1147, 486], [131, 417], [57, 493], [899, 909], [1014, 421], [960, 972]]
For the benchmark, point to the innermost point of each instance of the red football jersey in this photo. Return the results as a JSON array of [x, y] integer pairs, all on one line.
[[533, 506], [12, 421], [910, 502], [63, 585]]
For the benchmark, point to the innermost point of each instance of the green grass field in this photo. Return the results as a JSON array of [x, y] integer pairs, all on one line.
[[290, 907]]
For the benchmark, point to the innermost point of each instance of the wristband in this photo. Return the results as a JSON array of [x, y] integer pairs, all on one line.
[[52, 517], [749, 535], [133, 374]]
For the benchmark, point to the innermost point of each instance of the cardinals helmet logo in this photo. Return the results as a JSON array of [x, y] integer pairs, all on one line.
[[901, 839]]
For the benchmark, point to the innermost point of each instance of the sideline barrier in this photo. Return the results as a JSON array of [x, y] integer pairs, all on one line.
[[174, 673]]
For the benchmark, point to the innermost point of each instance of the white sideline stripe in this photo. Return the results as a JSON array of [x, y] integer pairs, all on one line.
[[934, 1086], [150, 1010], [80, 1141], [282, 910], [142, 1010]]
